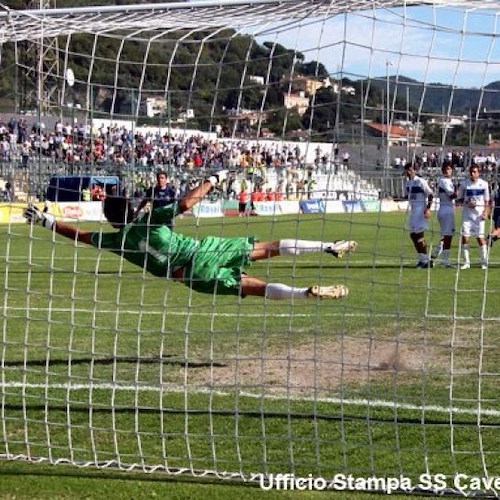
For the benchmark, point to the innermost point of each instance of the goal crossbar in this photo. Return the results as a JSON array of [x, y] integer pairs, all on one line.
[[18, 25]]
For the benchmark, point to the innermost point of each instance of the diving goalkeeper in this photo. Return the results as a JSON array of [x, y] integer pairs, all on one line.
[[210, 265]]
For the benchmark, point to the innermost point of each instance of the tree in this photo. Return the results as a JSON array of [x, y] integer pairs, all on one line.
[[313, 68], [288, 118], [322, 117]]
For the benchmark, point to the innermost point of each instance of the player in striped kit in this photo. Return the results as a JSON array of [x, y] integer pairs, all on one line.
[[474, 195], [420, 198], [447, 193]]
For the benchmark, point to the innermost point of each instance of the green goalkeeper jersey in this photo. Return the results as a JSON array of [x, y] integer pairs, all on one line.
[[149, 243]]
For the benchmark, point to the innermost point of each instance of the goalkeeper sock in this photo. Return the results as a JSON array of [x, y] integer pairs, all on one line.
[[279, 291], [297, 247]]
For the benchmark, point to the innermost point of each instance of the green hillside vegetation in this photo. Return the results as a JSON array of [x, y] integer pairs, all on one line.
[[435, 96], [219, 78]]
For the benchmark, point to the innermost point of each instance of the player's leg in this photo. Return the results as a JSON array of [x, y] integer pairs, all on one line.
[[337, 248], [438, 249], [495, 234], [483, 245], [266, 249], [483, 252], [447, 229], [465, 246], [414, 240], [420, 245], [218, 268], [445, 254], [418, 225], [251, 286]]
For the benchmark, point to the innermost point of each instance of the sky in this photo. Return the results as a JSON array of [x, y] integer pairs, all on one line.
[[433, 44]]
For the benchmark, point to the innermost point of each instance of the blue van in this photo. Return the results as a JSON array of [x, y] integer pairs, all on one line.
[[69, 187]]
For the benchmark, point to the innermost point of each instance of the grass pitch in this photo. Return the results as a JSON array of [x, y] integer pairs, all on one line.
[[103, 365]]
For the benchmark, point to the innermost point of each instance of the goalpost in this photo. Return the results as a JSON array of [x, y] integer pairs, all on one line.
[[106, 366]]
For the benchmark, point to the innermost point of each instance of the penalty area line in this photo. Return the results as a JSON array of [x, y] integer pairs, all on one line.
[[150, 312], [180, 389]]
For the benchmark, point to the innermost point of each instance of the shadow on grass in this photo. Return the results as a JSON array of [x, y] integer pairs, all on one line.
[[169, 360]]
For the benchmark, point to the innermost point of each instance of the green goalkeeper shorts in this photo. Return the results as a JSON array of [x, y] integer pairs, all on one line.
[[217, 265]]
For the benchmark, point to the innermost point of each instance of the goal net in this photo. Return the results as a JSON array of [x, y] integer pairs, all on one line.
[[314, 108]]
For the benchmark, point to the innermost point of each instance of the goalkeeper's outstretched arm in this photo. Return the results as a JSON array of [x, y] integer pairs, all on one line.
[[73, 232], [36, 217], [47, 220], [196, 195]]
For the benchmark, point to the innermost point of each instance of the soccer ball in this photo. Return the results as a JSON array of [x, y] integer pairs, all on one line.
[[472, 202]]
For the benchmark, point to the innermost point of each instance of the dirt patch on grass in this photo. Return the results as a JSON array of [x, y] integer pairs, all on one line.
[[323, 367]]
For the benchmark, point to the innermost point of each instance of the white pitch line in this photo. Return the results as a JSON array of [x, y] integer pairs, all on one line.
[[160, 312], [375, 403], [239, 314], [176, 313]]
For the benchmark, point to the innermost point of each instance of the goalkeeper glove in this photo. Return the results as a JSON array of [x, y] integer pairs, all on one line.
[[218, 178], [34, 216]]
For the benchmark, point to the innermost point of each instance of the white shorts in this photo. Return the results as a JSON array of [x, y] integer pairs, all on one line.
[[446, 221], [474, 228], [417, 223]]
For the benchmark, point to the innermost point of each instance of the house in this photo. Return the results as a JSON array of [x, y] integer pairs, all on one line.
[[398, 135], [259, 80], [491, 117], [448, 122], [155, 106], [249, 116], [298, 101], [305, 84], [347, 89]]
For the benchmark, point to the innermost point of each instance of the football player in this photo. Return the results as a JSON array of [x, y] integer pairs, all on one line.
[[474, 196], [210, 265], [420, 198], [447, 193]]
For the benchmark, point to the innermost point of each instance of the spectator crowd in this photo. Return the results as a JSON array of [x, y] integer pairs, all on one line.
[[72, 147]]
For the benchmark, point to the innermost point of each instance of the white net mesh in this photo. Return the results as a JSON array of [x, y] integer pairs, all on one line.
[[104, 364]]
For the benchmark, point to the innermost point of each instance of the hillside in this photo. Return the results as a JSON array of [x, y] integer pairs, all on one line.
[[217, 79], [436, 96]]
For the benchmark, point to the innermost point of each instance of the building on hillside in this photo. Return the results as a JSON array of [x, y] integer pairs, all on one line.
[[248, 117], [155, 106], [448, 122], [397, 134], [348, 89], [490, 117], [187, 114], [259, 80], [305, 84], [298, 101]]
